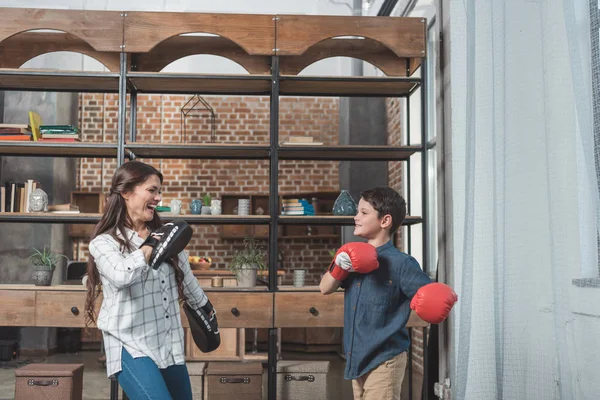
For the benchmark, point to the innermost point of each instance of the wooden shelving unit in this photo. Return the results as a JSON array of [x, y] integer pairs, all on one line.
[[135, 46]]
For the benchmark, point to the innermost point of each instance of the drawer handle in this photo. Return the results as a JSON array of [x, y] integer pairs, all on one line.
[[235, 312], [75, 310], [234, 380], [314, 311], [33, 382], [310, 378]]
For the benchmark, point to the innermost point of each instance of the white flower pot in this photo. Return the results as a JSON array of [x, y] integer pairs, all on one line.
[[246, 277]]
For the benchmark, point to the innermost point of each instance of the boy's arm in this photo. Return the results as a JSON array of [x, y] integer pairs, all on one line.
[[329, 284], [412, 277]]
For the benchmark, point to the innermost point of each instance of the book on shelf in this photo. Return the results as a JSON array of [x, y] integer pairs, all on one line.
[[15, 130], [63, 207], [58, 129], [297, 207], [15, 138], [35, 121], [300, 212], [14, 126], [301, 140], [15, 195]]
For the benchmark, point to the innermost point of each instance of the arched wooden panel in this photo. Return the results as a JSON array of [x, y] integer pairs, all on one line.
[[253, 32], [20, 48], [103, 30], [364, 49], [181, 46], [403, 36]]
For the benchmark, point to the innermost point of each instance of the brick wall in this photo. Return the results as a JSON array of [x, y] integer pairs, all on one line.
[[238, 119]]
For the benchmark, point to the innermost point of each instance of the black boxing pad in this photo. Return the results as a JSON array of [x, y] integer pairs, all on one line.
[[168, 241], [204, 326]]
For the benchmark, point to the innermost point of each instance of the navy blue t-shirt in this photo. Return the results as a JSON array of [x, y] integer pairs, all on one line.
[[377, 308]]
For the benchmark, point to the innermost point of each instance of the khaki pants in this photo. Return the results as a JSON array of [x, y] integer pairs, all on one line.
[[383, 382]]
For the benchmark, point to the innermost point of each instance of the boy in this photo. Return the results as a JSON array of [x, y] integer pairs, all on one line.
[[377, 297]]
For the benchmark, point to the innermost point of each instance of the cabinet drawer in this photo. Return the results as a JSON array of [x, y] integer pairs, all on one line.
[[240, 310], [62, 309], [17, 308], [308, 309]]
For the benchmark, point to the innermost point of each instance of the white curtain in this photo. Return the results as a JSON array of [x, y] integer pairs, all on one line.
[[525, 204]]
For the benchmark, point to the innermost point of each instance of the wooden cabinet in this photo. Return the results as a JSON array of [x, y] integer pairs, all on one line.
[[303, 309], [17, 308], [61, 309]]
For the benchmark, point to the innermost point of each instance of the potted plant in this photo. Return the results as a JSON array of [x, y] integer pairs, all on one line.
[[206, 204], [246, 262], [44, 262]]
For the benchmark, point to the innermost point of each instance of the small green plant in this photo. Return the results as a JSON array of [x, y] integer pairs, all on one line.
[[251, 256], [332, 252], [45, 260], [206, 199]]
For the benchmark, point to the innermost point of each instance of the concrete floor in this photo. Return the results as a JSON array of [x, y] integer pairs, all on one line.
[[97, 386]]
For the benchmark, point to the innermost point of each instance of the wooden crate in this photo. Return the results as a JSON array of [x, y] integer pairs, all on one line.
[[231, 380], [299, 380], [49, 381]]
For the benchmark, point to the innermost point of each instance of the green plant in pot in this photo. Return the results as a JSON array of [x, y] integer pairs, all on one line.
[[247, 261], [44, 262], [206, 204]]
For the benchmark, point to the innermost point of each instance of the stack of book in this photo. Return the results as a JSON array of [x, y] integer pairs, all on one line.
[[297, 207], [14, 195], [59, 133], [18, 132]]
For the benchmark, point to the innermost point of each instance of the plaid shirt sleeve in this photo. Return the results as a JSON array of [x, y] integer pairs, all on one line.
[[122, 270], [191, 288]]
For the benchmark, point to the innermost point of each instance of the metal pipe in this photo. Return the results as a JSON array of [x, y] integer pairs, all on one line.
[[273, 212], [122, 109], [133, 116]]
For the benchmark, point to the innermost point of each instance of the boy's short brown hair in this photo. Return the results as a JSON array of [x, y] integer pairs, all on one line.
[[386, 200]]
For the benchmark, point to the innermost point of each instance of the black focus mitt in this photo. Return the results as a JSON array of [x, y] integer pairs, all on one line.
[[204, 326], [168, 241]]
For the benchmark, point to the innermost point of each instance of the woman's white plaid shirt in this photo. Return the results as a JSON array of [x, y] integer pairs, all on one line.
[[140, 307]]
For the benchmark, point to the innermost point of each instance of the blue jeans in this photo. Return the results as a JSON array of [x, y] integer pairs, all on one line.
[[141, 379]]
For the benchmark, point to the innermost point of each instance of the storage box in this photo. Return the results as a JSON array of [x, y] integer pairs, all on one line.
[[233, 380], [299, 380], [49, 381], [196, 371]]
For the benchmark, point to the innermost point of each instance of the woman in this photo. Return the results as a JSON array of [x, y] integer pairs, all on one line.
[[140, 313]]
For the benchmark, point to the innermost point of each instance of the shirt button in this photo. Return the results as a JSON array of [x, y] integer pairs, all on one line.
[[167, 316], [358, 284], [165, 299], [348, 353], [162, 281], [354, 308]]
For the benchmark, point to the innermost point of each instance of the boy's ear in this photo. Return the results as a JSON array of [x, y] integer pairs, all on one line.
[[386, 221]]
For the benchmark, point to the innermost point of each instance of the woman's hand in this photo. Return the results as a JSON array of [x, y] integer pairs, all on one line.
[[147, 250]]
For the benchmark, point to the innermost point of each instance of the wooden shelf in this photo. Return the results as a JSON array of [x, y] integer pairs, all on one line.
[[347, 153], [197, 150], [332, 220], [49, 217], [218, 219], [291, 85], [308, 237], [180, 83], [58, 81], [58, 149]]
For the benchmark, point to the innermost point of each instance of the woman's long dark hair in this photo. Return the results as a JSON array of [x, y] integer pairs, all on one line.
[[115, 219]]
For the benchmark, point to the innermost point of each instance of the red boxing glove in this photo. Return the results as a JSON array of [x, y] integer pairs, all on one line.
[[353, 257], [433, 302]]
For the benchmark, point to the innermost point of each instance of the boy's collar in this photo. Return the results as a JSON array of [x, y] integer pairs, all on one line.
[[385, 246]]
